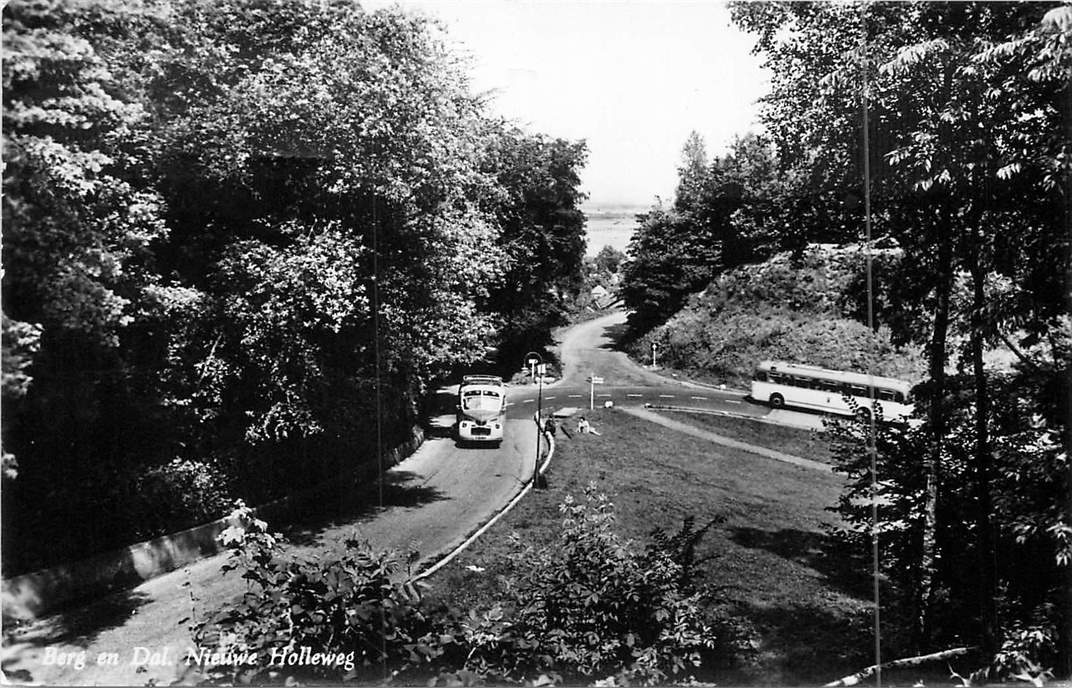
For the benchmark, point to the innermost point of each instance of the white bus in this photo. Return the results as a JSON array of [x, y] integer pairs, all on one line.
[[792, 384], [481, 409]]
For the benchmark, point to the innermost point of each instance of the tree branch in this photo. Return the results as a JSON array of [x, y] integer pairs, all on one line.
[[908, 661], [1019, 354]]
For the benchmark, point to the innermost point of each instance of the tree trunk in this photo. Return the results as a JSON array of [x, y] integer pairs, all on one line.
[[932, 460]]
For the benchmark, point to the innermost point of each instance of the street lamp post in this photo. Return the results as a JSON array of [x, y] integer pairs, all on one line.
[[536, 364]]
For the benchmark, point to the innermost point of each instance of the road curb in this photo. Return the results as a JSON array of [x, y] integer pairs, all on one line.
[[30, 595], [493, 520]]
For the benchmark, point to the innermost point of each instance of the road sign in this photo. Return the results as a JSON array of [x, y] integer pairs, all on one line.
[[592, 382]]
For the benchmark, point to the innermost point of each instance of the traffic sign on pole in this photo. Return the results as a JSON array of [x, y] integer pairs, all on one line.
[[592, 382]]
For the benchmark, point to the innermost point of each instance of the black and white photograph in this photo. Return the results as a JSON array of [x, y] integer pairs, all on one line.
[[536, 343]]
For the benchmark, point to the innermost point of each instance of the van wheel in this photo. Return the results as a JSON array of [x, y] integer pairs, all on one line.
[[777, 401]]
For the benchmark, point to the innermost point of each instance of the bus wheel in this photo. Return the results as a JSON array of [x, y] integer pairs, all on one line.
[[777, 401], [863, 414]]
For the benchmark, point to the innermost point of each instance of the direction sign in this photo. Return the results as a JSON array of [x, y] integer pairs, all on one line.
[[595, 380]]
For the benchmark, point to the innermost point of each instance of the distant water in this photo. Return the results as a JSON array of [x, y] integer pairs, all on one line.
[[611, 226]]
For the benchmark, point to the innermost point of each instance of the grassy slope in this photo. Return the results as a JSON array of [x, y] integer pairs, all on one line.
[[783, 309], [769, 563]]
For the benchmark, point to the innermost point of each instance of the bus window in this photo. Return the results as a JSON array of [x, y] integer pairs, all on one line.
[[887, 395]]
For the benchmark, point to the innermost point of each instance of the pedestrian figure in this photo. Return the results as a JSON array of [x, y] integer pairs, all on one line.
[[549, 427], [583, 426]]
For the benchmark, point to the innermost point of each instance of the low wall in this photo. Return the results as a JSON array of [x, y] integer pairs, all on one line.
[[39, 592]]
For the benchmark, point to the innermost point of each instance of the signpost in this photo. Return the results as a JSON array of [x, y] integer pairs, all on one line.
[[654, 346], [538, 367], [592, 382]]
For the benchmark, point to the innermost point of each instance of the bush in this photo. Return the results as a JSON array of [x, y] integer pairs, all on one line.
[[180, 494], [597, 605], [352, 612], [591, 605]]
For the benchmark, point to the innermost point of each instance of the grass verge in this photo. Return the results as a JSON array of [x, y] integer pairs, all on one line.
[[774, 574]]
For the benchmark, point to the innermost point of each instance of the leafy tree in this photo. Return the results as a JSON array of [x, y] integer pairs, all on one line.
[[726, 213], [542, 235], [609, 260], [665, 265], [966, 142], [249, 234]]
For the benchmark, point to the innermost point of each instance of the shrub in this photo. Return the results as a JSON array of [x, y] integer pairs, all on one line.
[[351, 612], [180, 494], [597, 605], [591, 605]]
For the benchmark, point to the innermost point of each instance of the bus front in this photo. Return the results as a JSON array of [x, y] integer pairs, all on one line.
[[481, 413]]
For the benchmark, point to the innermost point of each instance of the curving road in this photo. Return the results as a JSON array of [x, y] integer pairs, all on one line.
[[587, 350], [429, 502]]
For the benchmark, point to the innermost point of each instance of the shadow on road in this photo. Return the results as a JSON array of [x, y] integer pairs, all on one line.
[[438, 413], [77, 626], [351, 507], [615, 335]]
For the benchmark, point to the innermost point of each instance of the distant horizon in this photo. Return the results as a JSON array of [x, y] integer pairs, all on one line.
[[590, 205], [631, 78]]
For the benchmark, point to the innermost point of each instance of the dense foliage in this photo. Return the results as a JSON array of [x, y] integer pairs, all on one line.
[[1028, 493], [736, 210], [240, 240], [592, 606], [957, 119]]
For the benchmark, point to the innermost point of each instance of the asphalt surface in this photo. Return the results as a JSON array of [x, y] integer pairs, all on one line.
[[431, 502], [587, 351]]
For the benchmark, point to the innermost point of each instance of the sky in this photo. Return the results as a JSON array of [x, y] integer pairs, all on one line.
[[631, 78]]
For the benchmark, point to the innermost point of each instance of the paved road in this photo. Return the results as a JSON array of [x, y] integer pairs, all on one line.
[[432, 500], [586, 350]]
